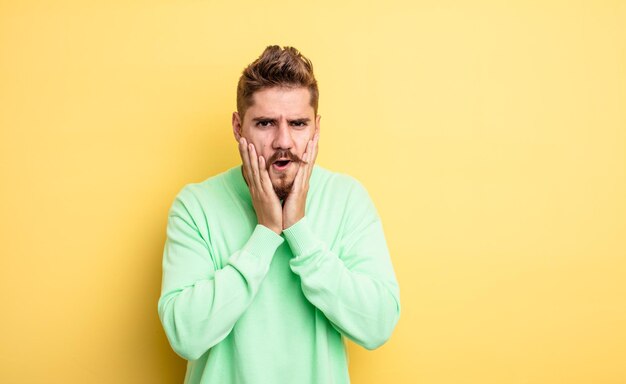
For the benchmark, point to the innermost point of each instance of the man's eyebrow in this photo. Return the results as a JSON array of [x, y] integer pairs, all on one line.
[[301, 120], [262, 118]]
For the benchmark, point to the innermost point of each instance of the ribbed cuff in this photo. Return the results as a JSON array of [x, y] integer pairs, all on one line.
[[300, 237], [256, 255]]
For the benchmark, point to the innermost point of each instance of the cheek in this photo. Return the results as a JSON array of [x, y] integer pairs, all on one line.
[[302, 143], [266, 151], [261, 144]]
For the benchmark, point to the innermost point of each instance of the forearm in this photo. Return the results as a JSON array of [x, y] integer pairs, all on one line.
[[358, 295], [198, 314]]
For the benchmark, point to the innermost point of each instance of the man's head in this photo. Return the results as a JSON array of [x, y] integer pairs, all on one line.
[[277, 100], [276, 67]]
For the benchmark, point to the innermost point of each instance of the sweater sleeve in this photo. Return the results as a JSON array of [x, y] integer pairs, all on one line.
[[200, 303], [354, 285]]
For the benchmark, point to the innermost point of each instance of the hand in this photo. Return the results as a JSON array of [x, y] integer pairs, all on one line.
[[295, 204], [264, 200]]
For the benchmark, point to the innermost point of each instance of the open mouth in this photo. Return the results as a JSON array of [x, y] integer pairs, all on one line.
[[281, 164]]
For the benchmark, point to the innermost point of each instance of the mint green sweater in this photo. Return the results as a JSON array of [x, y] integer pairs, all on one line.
[[245, 305]]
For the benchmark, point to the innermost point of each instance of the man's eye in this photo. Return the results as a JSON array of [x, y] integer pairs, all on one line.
[[299, 124], [264, 123]]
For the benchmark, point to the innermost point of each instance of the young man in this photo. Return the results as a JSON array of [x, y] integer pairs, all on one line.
[[268, 265]]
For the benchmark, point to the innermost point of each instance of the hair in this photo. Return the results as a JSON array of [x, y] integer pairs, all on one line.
[[276, 67]]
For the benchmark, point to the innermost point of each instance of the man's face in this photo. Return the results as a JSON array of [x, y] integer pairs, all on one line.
[[279, 123]]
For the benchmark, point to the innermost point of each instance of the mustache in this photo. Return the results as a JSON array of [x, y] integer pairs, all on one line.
[[283, 154]]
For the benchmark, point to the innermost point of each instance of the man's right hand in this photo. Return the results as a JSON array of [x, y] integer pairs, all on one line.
[[266, 204]]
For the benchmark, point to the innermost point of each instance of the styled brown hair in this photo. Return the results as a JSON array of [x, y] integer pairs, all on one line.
[[276, 67]]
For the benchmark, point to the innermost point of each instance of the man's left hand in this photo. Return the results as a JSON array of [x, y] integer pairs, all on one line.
[[295, 204]]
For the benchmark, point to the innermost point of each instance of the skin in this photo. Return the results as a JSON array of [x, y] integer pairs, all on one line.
[[279, 119]]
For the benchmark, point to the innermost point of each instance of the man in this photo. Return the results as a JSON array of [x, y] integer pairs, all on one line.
[[268, 265]]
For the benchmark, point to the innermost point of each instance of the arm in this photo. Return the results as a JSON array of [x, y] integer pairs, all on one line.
[[355, 286], [199, 303]]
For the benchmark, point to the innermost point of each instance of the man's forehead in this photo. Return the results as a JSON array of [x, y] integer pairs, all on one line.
[[281, 101]]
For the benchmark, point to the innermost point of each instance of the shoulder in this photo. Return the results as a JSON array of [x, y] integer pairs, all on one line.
[[192, 197], [346, 194], [338, 183]]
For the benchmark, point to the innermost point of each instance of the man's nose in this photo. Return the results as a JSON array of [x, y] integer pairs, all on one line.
[[283, 139]]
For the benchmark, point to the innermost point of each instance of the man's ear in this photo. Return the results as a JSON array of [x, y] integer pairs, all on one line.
[[236, 121]]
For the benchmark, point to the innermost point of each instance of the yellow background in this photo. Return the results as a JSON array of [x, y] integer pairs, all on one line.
[[491, 136]]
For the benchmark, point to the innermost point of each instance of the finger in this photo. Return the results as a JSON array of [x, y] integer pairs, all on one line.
[[266, 182], [316, 139], [302, 169], [308, 152], [245, 158], [311, 154], [262, 171], [254, 165]]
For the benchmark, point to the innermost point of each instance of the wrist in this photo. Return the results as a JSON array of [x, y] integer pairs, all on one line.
[[293, 221], [276, 229]]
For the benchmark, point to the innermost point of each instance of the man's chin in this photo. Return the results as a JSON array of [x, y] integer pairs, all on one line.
[[282, 189], [283, 181]]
